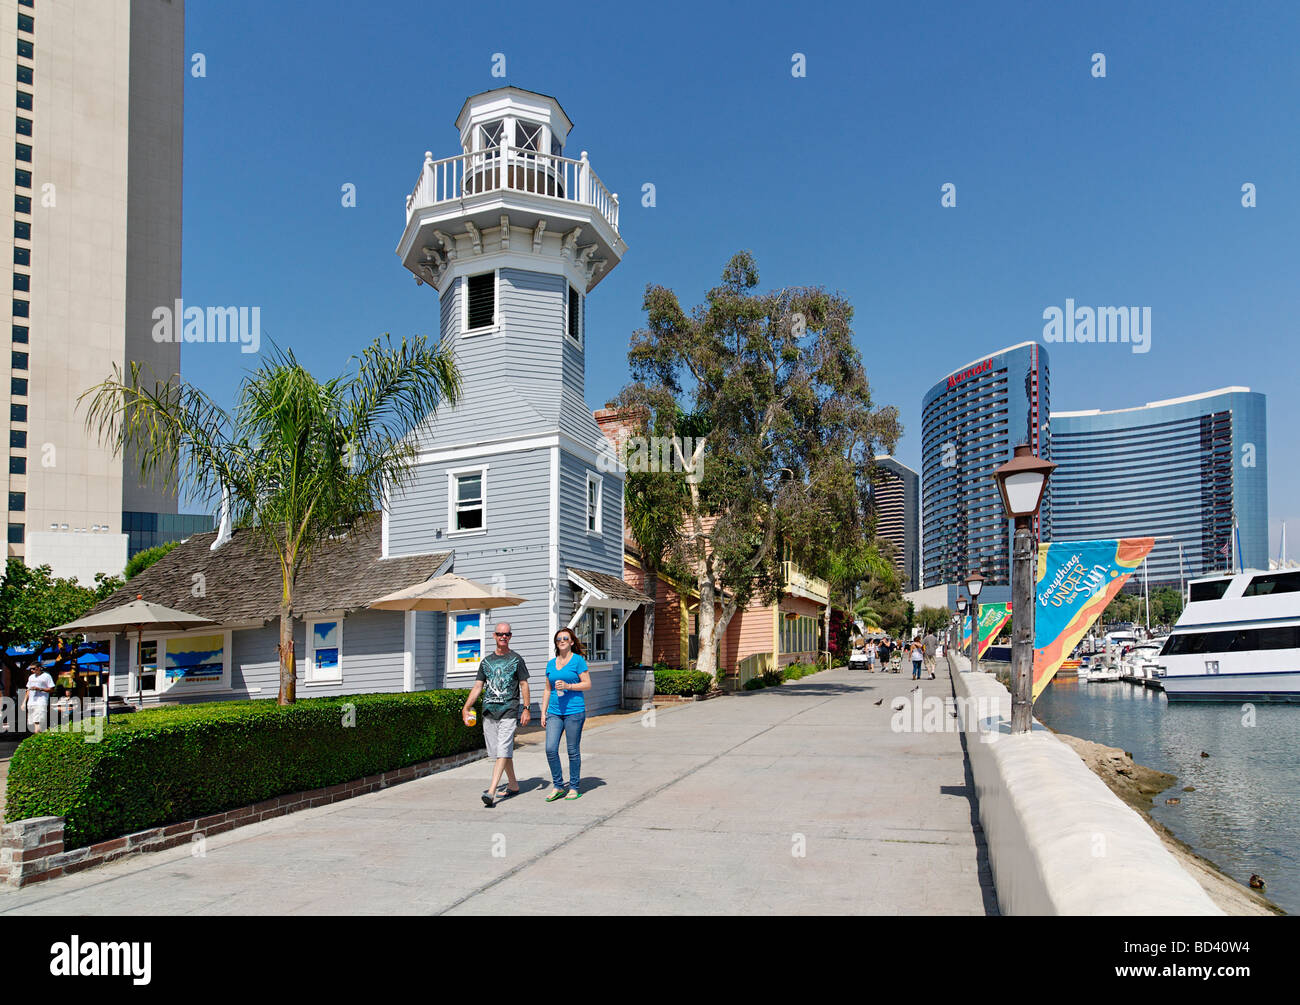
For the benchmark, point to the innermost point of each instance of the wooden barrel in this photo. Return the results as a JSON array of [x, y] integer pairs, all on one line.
[[638, 686]]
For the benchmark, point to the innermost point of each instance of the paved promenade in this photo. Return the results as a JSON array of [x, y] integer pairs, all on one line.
[[705, 811]]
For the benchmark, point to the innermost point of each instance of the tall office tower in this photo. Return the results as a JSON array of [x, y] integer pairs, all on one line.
[[971, 421], [95, 94], [896, 502], [1177, 470]]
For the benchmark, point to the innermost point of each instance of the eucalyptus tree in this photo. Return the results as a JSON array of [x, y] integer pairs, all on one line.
[[298, 460], [780, 388]]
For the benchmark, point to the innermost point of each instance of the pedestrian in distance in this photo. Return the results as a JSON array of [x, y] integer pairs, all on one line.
[[931, 649], [503, 682], [564, 710], [918, 655], [36, 701]]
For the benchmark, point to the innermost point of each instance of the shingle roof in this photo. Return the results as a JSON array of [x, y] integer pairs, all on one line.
[[611, 586], [241, 579]]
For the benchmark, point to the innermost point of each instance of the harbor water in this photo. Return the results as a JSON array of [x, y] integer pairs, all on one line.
[[1244, 815]]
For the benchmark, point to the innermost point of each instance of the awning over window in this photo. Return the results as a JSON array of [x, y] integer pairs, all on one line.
[[602, 590]]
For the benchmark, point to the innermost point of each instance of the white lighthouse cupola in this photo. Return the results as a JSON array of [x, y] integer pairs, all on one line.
[[511, 198]]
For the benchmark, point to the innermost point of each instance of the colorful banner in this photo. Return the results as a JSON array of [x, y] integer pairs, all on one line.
[[993, 618], [1076, 580]]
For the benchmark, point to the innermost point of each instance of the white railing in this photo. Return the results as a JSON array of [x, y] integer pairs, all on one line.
[[511, 169], [809, 584]]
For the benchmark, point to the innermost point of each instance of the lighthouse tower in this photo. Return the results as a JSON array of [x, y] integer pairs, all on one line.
[[515, 479]]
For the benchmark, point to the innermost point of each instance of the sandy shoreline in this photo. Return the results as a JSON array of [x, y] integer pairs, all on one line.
[[1137, 784]]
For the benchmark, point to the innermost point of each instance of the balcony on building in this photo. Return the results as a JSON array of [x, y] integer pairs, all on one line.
[[511, 167]]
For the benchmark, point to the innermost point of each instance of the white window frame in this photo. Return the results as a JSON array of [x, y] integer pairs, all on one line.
[[311, 675], [160, 639], [600, 504], [454, 671], [575, 342], [495, 326], [587, 634], [452, 475]]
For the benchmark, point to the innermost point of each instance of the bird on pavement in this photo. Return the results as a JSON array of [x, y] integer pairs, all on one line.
[[881, 702]]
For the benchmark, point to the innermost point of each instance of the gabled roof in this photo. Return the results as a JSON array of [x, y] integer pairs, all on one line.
[[241, 580], [605, 587]]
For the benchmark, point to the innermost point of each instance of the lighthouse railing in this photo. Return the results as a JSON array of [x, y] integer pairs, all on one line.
[[512, 169]]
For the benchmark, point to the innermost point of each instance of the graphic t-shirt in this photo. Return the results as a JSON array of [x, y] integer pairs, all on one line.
[[501, 676]]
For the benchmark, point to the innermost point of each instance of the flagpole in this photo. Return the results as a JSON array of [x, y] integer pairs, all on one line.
[[1146, 594]]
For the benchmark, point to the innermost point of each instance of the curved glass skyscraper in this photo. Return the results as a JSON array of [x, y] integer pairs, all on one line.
[[1177, 469], [971, 421]]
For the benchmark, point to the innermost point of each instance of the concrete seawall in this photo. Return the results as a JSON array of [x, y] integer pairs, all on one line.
[[1060, 842]]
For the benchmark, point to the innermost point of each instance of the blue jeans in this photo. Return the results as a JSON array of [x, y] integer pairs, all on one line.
[[571, 727]]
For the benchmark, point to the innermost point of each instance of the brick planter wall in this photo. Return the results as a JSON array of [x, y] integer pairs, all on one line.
[[32, 850]]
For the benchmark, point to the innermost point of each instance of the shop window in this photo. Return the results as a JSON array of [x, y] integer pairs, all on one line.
[[325, 650]]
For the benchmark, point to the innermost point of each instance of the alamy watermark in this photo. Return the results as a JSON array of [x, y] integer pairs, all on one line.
[[1099, 324], [657, 454], [178, 323], [918, 714], [78, 715]]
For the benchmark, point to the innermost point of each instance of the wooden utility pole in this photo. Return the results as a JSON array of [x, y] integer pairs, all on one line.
[[1022, 625]]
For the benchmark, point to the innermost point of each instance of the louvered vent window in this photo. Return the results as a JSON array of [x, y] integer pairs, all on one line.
[[482, 300], [575, 322]]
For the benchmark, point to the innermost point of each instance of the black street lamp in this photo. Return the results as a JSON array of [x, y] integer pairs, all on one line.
[[975, 583], [961, 621], [1021, 483]]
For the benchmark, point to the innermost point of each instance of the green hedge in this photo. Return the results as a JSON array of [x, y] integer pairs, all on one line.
[[669, 681], [166, 765]]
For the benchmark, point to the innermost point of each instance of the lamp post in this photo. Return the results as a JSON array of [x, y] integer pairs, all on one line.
[[1021, 482], [961, 620], [975, 583]]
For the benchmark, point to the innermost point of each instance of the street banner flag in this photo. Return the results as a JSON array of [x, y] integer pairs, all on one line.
[[993, 618], [1076, 580]]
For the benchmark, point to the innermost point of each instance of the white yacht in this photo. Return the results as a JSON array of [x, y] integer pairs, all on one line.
[[1143, 661], [1238, 638]]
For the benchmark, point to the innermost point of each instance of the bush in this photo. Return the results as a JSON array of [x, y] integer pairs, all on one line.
[[166, 765], [754, 684], [682, 682], [146, 558], [773, 677]]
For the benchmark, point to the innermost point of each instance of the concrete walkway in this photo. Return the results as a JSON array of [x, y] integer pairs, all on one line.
[[704, 810]]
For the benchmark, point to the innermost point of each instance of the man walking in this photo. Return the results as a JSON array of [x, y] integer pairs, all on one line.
[[37, 699], [931, 648], [503, 682]]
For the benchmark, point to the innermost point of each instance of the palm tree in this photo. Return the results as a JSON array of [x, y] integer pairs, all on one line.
[[864, 610], [299, 460]]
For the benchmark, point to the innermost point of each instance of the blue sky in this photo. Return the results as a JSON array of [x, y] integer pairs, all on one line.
[[1123, 190]]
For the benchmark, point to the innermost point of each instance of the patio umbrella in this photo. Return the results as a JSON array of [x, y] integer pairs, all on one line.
[[136, 616], [447, 593]]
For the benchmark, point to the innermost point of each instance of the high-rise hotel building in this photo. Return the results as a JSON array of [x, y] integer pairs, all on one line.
[[971, 421], [896, 505], [1178, 470], [93, 94]]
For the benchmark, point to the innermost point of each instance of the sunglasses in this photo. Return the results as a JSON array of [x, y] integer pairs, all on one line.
[[503, 635]]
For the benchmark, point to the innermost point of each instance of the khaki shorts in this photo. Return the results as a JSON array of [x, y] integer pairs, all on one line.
[[499, 736]]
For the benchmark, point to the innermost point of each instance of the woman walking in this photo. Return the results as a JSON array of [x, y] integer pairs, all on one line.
[[564, 710]]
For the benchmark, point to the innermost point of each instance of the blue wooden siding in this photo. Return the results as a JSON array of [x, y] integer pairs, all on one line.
[[602, 553], [511, 379]]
